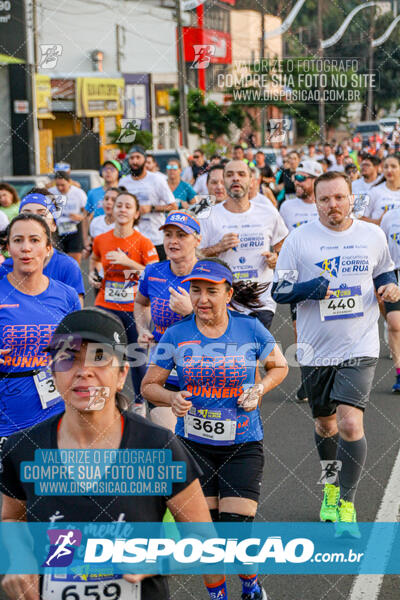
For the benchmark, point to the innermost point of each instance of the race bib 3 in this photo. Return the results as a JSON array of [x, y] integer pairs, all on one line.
[[211, 426]]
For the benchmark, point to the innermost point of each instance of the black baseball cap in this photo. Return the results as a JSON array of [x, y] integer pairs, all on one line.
[[138, 149], [92, 324]]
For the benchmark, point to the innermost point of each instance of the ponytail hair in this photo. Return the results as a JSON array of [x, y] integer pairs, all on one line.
[[248, 294], [245, 293]]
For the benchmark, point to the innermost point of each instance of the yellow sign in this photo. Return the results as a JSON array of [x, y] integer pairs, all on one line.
[[43, 97], [99, 97]]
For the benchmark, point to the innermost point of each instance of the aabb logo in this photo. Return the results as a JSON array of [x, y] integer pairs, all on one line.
[[62, 546]]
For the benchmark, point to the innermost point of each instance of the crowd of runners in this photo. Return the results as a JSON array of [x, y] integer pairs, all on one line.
[[186, 270]]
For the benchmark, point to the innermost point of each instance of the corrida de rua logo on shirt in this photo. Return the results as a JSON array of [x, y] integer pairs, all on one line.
[[344, 264], [329, 266]]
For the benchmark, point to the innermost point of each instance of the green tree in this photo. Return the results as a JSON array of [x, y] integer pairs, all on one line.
[[206, 118]]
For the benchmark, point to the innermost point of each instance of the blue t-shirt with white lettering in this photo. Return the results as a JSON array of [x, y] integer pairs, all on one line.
[[94, 203], [26, 326], [60, 267], [214, 371]]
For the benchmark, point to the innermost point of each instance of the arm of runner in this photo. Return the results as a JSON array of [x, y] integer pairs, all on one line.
[[153, 390], [179, 302], [389, 292], [228, 241], [165, 207], [118, 257], [386, 287], [286, 292], [276, 367], [142, 317], [94, 263], [272, 257]]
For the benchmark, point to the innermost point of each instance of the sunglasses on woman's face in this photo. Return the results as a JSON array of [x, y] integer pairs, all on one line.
[[302, 177], [173, 167]]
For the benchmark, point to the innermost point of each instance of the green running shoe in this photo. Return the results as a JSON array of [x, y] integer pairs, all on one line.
[[346, 525], [329, 506]]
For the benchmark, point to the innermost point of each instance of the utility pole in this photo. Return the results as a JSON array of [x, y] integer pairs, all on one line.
[[321, 104], [118, 38], [262, 52], [31, 71], [370, 91], [183, 110]]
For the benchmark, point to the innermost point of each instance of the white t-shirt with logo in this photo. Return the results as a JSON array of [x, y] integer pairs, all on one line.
[[152, 190], [98, 225], [259, 229], [381, 200], [360, 186], [391, 227], [331, 331], [261, 200], [296, 212], [75, 203]]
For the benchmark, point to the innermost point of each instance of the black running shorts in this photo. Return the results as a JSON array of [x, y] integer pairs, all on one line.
[[349, 382], [229, 471]]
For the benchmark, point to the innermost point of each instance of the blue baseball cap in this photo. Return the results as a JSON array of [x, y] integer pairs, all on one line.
[[46, 201], [182, 220], [208, 270]]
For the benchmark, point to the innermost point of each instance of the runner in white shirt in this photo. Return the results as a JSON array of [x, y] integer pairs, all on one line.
[[104, 223], [200, 185], [302, 209], [334, 280], [69, 224], [244, 235], [391, 227], [369, 174], [155, 197], [386, 195]]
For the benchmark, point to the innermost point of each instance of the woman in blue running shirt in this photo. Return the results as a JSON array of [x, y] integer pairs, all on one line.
[[32, 305], [163, 298], [57, 265], [216, 353]]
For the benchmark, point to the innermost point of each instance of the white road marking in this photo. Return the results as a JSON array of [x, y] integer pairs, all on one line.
[[367, 587]]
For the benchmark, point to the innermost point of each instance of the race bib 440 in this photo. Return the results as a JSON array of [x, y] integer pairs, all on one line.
[[347, 303]]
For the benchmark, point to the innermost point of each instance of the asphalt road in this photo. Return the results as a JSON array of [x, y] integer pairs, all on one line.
[[290, 491]]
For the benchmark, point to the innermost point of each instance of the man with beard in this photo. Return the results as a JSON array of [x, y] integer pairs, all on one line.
[[302, 209], [297, 212], [155, 197], [338, 266], [242, 233]]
